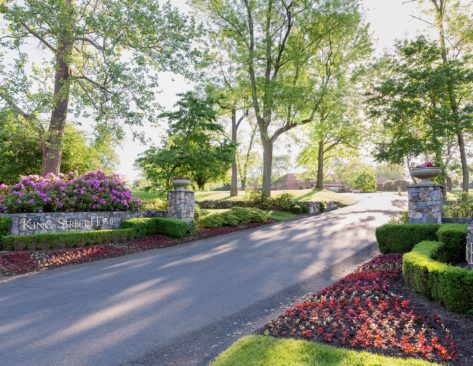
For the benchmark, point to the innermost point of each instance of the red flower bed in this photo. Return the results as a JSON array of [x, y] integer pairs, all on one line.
[[360, 311], [22, 262]]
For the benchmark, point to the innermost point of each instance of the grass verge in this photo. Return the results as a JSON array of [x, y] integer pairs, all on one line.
[[269, 351]]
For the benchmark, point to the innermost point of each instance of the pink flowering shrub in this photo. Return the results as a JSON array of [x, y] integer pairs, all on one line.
[[93, 191]]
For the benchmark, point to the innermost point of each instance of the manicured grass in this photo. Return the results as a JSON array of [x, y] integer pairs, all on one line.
[[301, 195], [275, 215], [269, 351]]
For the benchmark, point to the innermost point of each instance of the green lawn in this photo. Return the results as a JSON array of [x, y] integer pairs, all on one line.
[[269, 351], [301, 195], [275, 215]]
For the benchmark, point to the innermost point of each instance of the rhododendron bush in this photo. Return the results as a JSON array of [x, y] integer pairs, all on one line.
[[360, 311], [93, 191]]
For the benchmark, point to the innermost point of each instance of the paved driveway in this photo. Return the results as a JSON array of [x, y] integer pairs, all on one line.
[[181, 305]]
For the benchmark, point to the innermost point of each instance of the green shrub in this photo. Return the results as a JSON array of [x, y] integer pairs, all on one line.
[[212, 220], [365, 182], [255, 198], [283, 201], [305, 209], [160, 225], [297, 209], [66, 240], [233, 217], [453, 286], [402, 238], [463, 207], [453, 236], [4, 226], [403, 218], [322, 206]]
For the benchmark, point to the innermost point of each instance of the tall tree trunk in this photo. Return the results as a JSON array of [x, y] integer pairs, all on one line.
[[267, 166], [440, 9], [320, 166], [234, 179], [243, 184], [53, 149], [464, 162]]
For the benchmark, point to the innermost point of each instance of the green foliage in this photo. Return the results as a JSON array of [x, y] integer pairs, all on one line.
[[112, 52], [159, 225], [453, 286], [453, 237], [402, 238], [297, 209], [195, 147], [463, 207], [65, 240], [403, 218], [284, 201], [256, 198], [233, 217], [365, 182], [4, 226], [21, 150]]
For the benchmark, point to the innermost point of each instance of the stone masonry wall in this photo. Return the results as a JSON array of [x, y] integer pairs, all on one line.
[[181, 205], [425, 204], [469, 246], [50, 222]]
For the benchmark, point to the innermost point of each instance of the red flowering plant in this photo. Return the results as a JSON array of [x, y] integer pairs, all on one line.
[[427, 164], [361, 312]]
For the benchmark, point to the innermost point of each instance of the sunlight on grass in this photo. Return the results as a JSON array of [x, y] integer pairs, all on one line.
[[269, 351], [302, 195]]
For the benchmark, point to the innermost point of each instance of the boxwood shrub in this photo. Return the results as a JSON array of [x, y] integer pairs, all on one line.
[[452, 285], [402, 238], [65, 240], [4, 226], [453, 236], [160, 225]]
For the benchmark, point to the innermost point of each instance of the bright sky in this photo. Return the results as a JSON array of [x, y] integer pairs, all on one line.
[[390, 20]]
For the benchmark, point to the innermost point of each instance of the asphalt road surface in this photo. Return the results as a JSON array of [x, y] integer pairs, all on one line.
[[182, 305]]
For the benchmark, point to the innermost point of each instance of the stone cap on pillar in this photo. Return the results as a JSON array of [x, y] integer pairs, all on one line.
[[419, 185]]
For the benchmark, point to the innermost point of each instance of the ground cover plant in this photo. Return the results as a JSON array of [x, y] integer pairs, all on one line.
[[13, 263], [363, 311], [93, 191]]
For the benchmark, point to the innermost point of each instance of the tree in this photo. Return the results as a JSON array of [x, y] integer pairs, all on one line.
[[411, 100], [245, 156], [453, 25], [286, 51], [195, 147], [20, 150], [103, 53], [365, 182], [336, 130]]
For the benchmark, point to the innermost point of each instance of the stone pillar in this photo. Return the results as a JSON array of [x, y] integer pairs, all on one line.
[[425, 204], [181, 205], [469, 246]]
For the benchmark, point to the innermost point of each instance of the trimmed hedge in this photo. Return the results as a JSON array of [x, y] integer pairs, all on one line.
[[402, 238], [66, 240], [453, 236], [4, 226], [453, 286], [160, 225]]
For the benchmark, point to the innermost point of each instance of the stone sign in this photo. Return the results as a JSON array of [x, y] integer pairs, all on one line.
[[51, 222]]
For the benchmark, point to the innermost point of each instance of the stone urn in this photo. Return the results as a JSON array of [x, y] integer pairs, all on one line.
[[179, 183], [426, 174]]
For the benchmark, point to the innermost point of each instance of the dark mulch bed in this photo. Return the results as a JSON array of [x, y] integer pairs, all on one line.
[[373, 310], [13, 263]]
